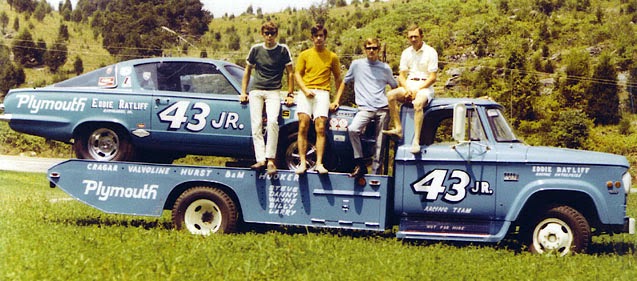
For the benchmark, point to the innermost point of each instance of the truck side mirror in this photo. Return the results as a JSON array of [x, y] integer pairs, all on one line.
[[459, 122]]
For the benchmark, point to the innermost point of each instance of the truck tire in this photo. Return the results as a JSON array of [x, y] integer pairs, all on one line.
[[560, 230], [103, 143], [205, 210]]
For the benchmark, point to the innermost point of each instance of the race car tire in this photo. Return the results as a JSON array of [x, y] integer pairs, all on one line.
[[205, 210], [561, 230], [103, 143]]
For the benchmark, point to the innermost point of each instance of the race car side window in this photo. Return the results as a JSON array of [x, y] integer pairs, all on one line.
[[191, 77], [147, 76]]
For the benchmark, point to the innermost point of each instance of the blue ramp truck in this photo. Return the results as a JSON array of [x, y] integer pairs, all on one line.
[[472, 180]]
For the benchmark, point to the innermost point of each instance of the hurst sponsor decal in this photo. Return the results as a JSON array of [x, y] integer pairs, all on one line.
[[35, 105], [104, 192]]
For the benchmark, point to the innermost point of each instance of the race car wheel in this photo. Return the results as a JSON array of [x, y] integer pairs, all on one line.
[[292, 158], [103, 144], [560, 230], [205, 210]]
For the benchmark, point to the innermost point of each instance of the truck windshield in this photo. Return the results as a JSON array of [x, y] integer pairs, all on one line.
[[501, 128]]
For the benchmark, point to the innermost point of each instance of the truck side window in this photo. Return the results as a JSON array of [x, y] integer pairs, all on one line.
[[443, 124]]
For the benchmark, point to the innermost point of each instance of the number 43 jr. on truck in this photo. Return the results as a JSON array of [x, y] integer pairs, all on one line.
[[473, 180]]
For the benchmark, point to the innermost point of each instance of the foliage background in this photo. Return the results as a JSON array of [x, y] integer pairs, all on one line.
[[565, 70]]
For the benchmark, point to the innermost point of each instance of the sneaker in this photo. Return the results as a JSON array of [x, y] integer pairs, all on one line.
[[258, 166], [271, 169], [321, 169], [415, 149], [301, 170]]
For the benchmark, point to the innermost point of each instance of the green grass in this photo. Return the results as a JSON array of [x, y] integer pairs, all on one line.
[[44, 236]]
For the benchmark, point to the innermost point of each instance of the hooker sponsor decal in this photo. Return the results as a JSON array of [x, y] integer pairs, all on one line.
[[35, 105], [104, 192]]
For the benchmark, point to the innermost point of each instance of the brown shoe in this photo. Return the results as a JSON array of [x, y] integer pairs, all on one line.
[[271, 169], [359, 172], [258, 166]]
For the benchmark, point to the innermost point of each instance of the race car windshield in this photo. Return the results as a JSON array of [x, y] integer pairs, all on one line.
[[99, 78]]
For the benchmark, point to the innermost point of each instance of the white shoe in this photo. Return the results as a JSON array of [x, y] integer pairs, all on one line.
[[415, 149], [321, 169]]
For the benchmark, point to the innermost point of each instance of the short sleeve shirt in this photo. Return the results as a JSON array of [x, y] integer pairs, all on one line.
[[419, 63], [316, 67], [370, 80], [269, 65]]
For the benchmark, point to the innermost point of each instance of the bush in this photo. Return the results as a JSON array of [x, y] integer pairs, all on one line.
[[571, 129]]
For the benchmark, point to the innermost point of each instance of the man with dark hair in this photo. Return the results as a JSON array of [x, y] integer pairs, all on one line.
[[313, 72], [370, 77], [418, 66], [269, 59]]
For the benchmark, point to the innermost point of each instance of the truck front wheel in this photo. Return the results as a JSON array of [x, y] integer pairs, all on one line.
[[560, 230], [205, 210]]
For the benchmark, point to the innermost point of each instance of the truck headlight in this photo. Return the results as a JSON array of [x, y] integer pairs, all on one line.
[[627, 181]]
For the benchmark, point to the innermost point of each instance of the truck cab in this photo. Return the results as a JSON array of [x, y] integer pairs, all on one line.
[[473, 180]]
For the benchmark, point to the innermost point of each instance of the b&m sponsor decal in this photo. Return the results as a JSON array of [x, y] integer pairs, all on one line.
[[559, 171]]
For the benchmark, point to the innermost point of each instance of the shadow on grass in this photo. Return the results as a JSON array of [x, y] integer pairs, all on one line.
[[619, 248], [123, 222]]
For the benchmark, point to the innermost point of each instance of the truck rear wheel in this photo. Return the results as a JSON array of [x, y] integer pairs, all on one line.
[[205, 210], [560, 230]]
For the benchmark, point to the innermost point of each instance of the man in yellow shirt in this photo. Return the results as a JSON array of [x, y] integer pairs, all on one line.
[[314, 69]]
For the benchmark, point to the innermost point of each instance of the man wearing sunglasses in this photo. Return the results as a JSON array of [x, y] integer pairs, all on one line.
[[269, 59], [418, 66], [370, 77]]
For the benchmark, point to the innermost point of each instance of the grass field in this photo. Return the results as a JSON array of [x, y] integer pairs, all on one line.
[[46, 236]]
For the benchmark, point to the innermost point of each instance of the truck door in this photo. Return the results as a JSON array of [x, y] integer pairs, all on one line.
[[450, 181]]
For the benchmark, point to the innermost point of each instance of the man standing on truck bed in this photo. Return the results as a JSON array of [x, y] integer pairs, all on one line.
[[313, 77], [418, 66], [370, 77], [269, 59]]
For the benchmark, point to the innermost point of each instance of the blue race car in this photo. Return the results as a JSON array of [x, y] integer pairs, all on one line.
[[160, 109]]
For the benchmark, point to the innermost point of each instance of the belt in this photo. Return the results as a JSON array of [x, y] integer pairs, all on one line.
[[417, 79]]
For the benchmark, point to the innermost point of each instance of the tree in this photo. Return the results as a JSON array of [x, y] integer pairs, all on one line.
[[571, 129], [56, 56], [10, 75], [572, 88], [603, 105], [24, 49], [4, 20], [78, 65]]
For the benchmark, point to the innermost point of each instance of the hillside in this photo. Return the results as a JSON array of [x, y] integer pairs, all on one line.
[[551, 63]]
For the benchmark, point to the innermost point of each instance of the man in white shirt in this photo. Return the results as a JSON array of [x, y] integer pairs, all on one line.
[[418, 67]]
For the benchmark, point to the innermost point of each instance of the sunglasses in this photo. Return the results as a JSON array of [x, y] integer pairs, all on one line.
[[371, 48], [269, 33]]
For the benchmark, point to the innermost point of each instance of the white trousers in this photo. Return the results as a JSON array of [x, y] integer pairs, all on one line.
[[272, 101]]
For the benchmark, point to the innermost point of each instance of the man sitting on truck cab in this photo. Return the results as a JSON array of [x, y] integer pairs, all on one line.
[[418, 66]]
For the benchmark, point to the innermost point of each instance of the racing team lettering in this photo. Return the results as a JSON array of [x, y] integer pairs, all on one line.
[[432, 185], [35, 105], [176, 115], [560, 171]]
